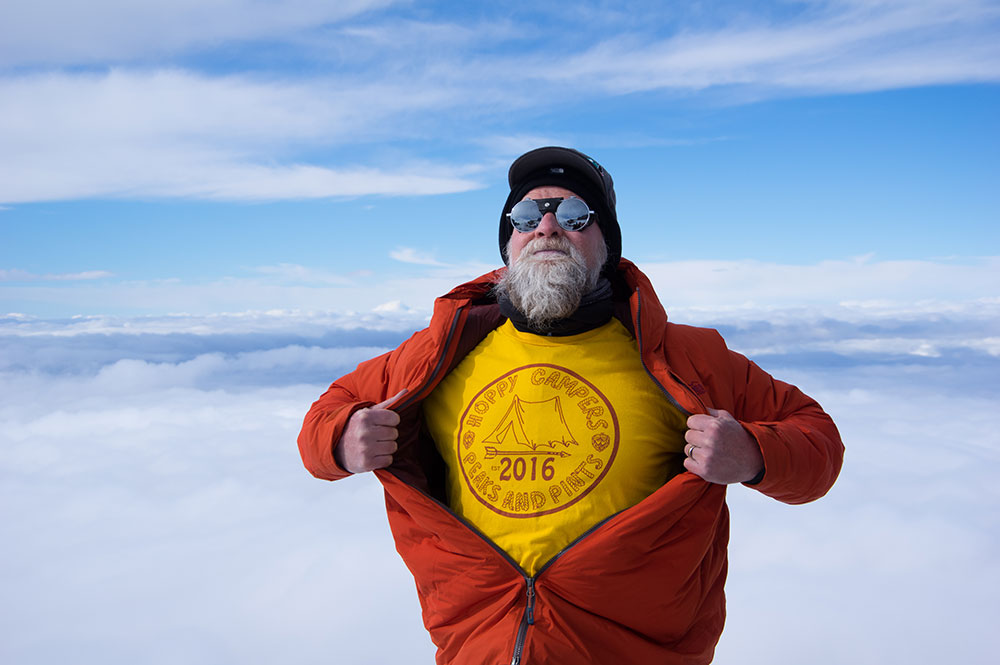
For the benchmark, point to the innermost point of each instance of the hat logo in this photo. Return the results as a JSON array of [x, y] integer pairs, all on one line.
[[557, 169]]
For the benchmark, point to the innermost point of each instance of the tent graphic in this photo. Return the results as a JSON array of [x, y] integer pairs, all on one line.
[[548, 425]]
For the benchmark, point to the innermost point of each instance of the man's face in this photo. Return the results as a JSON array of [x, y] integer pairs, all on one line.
[[589, 242], [551, 269]]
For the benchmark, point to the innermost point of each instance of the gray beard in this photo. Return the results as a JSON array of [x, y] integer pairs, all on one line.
[[547, 289]]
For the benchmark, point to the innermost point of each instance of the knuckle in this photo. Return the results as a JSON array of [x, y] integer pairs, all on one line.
[[384, 418]]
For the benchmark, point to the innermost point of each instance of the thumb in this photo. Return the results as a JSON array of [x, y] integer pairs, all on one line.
[[386, 403], [715, 413]]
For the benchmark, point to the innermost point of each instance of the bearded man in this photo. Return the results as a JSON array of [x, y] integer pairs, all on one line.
[[555, 454]]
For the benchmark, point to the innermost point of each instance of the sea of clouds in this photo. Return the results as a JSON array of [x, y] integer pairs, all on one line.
[[154, 508]]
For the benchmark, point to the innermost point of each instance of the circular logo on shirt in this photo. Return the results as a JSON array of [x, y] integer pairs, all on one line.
[[536, 440]]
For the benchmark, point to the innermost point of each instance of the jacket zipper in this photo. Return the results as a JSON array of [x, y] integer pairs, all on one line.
[[638, 337], [411, 398], [440, 361], [529, 611], [528, 619]]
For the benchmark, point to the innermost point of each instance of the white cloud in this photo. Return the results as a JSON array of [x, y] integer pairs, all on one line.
[[244, 182], [166, 497], [105, 30], [915, 496], [391, 307], [191, 505], [172, 133], [16, 275], [412, 255], [157, 130], [304, 323], [842, 47]]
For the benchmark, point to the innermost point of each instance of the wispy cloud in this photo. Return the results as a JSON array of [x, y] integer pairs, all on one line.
[[110, 30], [175, 133], [415, 256], [15, 275], [162, 130], [837, 46]]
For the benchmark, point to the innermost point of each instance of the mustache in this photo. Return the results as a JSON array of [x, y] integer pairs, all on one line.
[[545, 244]]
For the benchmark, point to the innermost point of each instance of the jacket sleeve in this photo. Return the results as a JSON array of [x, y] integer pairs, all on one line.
[[802, 449], [328, 416]]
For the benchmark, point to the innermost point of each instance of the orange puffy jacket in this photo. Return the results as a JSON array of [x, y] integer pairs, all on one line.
[[643, 586]]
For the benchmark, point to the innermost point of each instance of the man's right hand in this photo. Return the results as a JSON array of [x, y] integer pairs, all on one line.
[[369, 440]]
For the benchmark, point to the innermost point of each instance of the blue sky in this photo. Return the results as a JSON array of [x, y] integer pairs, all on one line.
[[209, 210], [154, 152]]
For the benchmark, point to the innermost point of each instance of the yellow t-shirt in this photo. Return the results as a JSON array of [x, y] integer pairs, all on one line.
[[543, 437]]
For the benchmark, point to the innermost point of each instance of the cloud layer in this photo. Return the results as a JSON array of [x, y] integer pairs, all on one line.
[[864, 286], [152, 494], [151, 115]]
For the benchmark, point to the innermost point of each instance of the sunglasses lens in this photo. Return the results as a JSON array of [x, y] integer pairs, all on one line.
[[525, 216], [573, 214]]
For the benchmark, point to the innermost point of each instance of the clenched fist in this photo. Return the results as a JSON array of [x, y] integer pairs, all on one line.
[[369, 440], [719, 450]]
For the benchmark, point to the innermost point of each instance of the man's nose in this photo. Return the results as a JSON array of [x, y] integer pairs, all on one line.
[[548, 226]]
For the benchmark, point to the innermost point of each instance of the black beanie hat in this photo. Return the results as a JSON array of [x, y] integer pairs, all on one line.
[[565, 167]]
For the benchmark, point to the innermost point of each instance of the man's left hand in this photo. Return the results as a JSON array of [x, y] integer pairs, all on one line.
[[719, 450]]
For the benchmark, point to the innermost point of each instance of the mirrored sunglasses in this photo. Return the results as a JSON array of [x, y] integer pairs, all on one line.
[[571, 214]]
